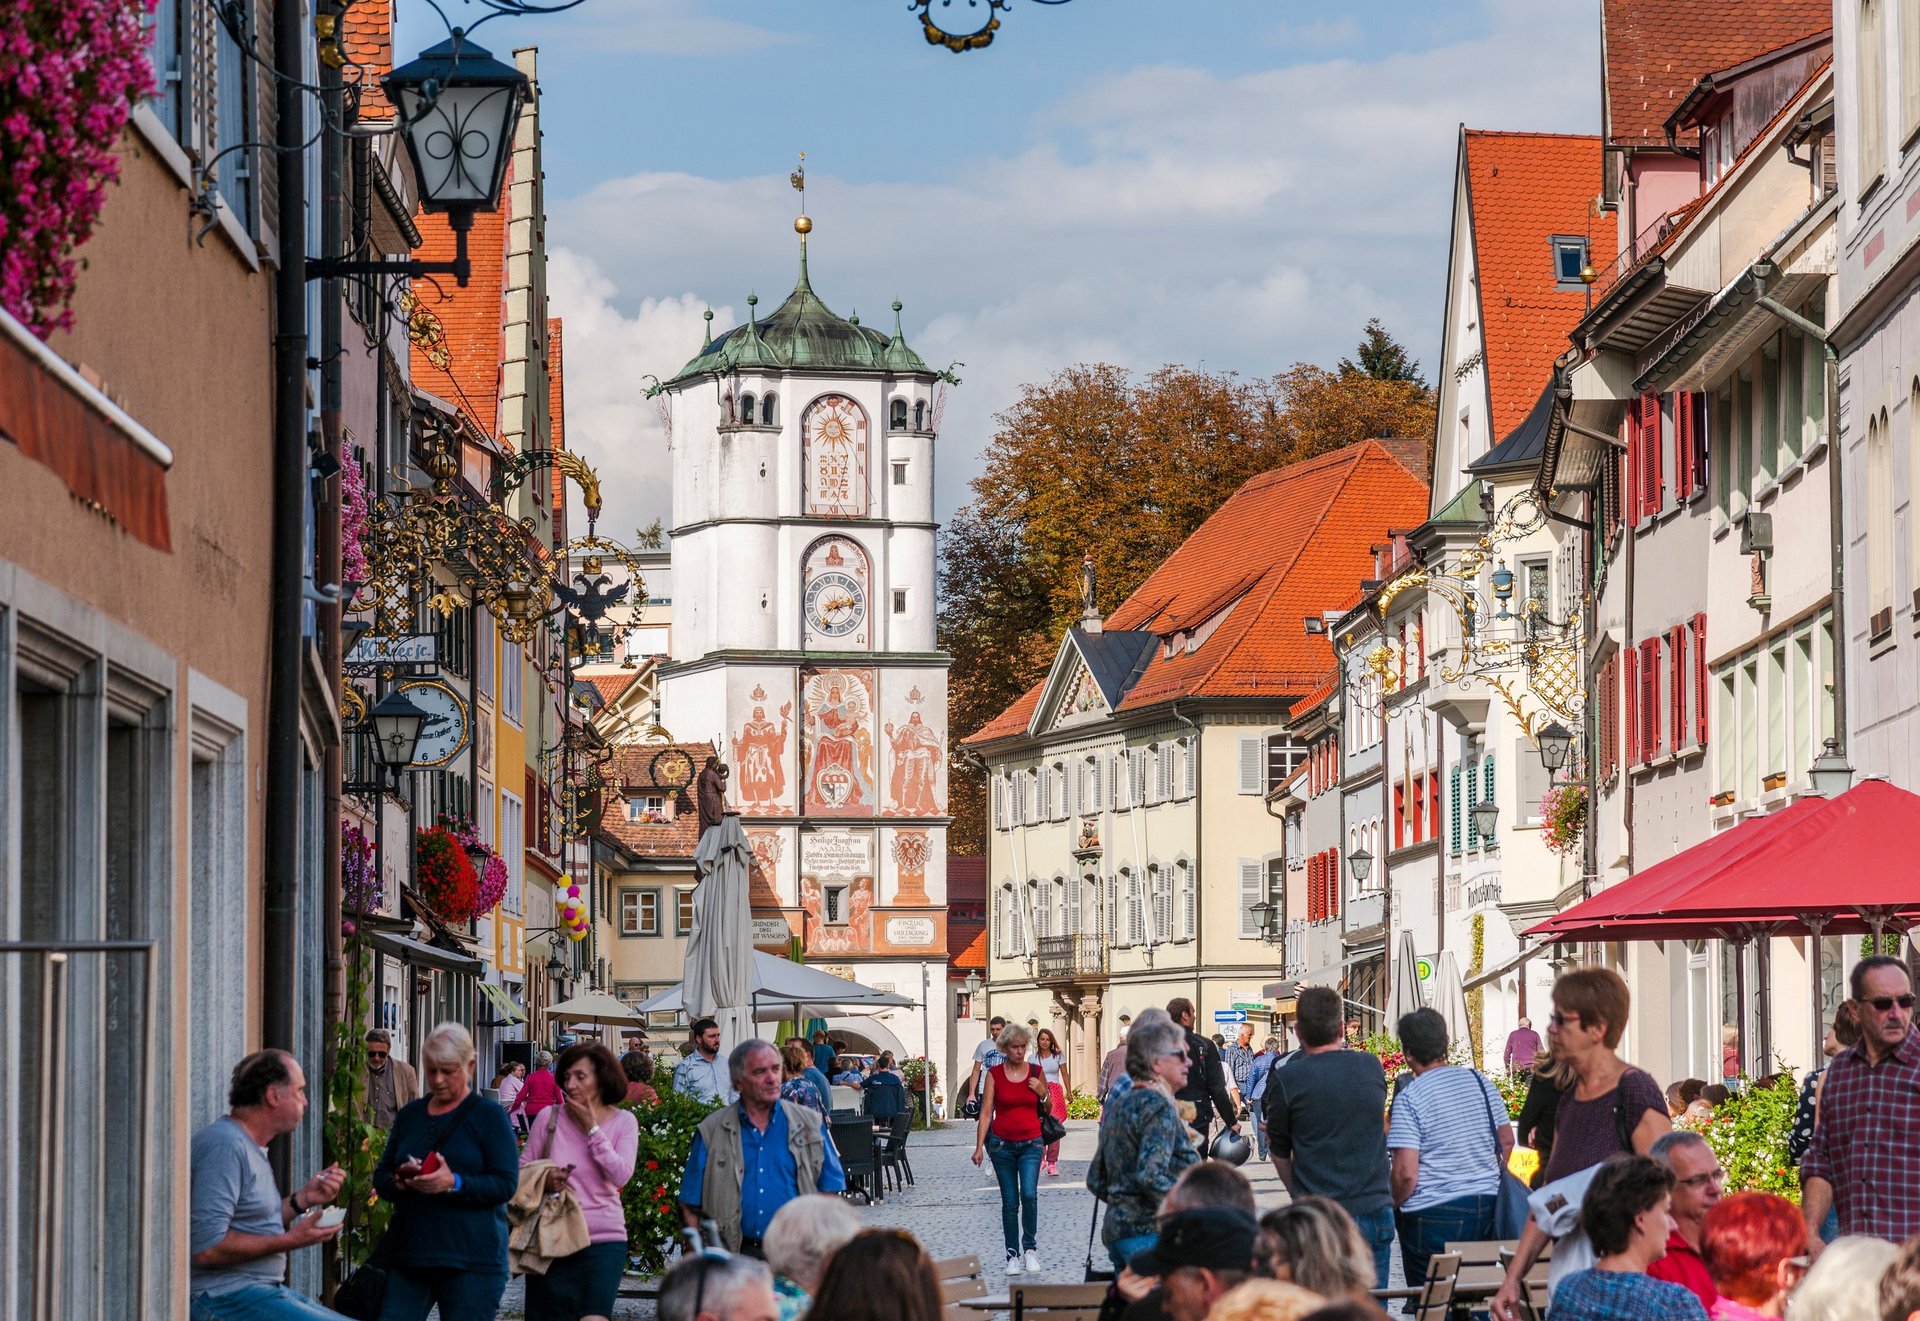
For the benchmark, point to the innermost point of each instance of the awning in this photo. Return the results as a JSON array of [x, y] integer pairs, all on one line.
[[57, 418], [503, 1005], [408, 950]]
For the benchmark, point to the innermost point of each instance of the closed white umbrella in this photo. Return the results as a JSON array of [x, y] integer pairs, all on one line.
[[1406, 983], [719, 967], [1450, 999]]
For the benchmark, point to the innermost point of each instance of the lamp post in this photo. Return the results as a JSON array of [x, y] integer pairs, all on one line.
[[1486, 815], [458, 107], [1556, 742], [1360, 862], [1831, 774], [973, 985]]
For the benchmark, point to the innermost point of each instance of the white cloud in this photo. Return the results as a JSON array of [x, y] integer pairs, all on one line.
[[1155, 215], [661, 27]]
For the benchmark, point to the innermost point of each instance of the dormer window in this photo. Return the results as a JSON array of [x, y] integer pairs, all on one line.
[[768, 411], [746, 409], [1569, 260], [897, 416]]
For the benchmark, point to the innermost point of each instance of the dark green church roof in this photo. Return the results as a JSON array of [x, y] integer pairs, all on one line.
[[804, 333]]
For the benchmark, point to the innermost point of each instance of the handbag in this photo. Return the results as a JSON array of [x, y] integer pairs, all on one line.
[[1510, 1199], [362, 1293], [1051, 1129]]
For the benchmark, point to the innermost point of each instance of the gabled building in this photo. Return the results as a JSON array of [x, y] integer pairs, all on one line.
[[1131, 842]]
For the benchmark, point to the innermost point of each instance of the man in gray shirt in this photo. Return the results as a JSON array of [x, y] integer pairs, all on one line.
[[1326, 1113], [241, 1228]]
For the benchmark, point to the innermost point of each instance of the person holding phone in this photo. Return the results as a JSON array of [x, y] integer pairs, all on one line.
[[593, 1144], [450, 1167], [241, 1228]]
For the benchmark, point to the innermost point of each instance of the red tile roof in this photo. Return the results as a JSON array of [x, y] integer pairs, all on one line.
[[966, 880], [473, 318], [1317, 698], [1654, 50], [1524, 188], [366, 39], [633, 773], [1287, 545], [611, 686]]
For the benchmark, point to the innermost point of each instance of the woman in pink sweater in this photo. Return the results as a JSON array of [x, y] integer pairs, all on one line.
[[593, 1143]]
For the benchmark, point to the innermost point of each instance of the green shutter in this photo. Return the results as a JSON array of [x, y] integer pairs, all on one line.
[[1453, 810], [1473, 796], [1486, 783]]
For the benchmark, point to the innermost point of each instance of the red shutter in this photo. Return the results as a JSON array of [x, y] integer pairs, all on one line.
[[1433, 804], [1313, 888], [1630, 706], [1635, 483], [1700, 687], [1651, 727], [1650, 467], [1399, 816], [1677, 682], [1682, 445], [1333, 882]]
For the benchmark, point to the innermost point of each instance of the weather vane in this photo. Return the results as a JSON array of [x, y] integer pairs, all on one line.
[[802, 225], [962, 25]]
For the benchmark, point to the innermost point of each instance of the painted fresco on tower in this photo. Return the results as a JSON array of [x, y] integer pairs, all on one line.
[[836, 889], [763, 867], [913, 731], [834, 434], [762, 742], [838, 743], [836, 596]]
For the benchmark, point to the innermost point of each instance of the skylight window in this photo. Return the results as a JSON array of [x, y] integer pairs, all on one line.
[[1569, 260]]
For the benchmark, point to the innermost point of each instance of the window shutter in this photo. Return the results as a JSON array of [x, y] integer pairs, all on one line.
[[1650, 453], [1116, 778], [1333, 882], [1650, 722], [1139, 767], [1700, 679], [1473, 796], [1189, 902], [999, 923], [1136, 909], [1677, 682], [1192, 765], [1630, 705], [1249, 896], [1683, 429], [1111, 915], [1250, 759], [1400, 816], [1453, 814], [1167, 752], [1635, 482], [1093, 785], [999, 802], [1698, 449], [1433, 804], [1486, 781]]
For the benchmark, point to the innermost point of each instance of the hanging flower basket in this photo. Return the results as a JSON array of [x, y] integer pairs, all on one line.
[[1563, 813], [444, 874], [360, 888]]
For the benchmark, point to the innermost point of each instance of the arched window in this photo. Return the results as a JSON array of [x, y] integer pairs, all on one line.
[[897, 416], [746, 409], [769, 409], [920, 415]]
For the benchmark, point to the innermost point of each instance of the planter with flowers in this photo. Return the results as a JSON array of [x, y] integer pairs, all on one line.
[[443, 874], [1563, 816]]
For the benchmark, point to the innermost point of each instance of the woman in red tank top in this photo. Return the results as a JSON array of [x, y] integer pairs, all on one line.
[[1009, 1133]]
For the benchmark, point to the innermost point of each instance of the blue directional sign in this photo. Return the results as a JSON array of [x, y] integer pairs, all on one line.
[[1229, 1015]]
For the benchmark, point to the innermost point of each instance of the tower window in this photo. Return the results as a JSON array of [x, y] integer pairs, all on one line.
[[899, 600], [1569, 259], [767, 409], [899, 472], [897, 416], [746, 409], [834, 905], [920, 416]]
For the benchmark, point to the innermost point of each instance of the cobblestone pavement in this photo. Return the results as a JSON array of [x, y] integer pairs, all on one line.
[[954, 1208]]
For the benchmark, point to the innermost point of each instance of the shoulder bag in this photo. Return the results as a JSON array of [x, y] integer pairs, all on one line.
[[362, 1293], [1510, 1199]]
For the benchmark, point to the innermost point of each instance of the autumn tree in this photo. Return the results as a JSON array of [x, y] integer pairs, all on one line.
[[1096, 462], [1381, 356]]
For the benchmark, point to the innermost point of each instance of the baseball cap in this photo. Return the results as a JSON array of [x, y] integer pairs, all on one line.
[[1213, 1237]]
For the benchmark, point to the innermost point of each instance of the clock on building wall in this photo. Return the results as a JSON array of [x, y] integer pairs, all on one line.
[[836, 604]]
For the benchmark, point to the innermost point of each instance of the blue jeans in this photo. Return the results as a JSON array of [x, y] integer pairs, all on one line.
[[462, 1295], [1126, 1249], [1016, 1167], [1430, 1229], [258, 1302], [1376, 1227]]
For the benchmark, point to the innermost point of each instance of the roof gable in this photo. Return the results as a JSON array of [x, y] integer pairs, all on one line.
[[1090, 676]]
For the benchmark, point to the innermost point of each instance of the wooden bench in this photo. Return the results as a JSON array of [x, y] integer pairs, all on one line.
[[1057, 1302], [960, 1279]]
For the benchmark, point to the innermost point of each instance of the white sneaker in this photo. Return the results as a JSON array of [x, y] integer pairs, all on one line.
[[1033, 1262], [1013, 1263]]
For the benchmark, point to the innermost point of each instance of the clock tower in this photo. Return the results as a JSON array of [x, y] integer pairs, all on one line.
[[803, 637]]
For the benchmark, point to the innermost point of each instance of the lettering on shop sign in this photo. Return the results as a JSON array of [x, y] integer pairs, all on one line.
[[771, 931], [911, 931]]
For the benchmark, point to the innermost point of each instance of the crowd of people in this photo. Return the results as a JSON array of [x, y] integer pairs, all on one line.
[[1632, 1208]]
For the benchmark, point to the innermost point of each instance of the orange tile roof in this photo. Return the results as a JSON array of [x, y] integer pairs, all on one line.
[[966, 947], [610, 686], [366, 39], [1317, 698], [1283, 547], [1524, 188], [633, 772], [473, 318], [1654, 50]]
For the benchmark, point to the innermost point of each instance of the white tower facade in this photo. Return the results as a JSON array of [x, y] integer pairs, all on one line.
[[803, 641]]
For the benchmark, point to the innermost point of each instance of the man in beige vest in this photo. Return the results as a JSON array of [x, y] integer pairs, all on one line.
[[751, 1158]]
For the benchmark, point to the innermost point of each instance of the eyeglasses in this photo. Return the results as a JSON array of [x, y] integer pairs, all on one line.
[[1560, 1020], [1882, 1004], [1714, 1175], [376, 1054]]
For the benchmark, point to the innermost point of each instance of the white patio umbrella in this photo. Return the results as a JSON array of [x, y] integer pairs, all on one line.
[[718, 971], [595, 1007], [777, 986], [1406, 983], [1450, 999]]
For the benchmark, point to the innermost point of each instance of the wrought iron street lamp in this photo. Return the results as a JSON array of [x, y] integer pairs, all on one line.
[[1831, 774], [1267, 914], [1556, 741], [396, 731], [1486, 815], [1360, 862]]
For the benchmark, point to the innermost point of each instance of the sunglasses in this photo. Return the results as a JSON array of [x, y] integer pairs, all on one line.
[[1881, 1004], [376, 1054], [1560, 1020]]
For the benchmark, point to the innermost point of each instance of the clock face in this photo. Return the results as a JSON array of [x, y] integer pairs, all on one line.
[[443, 734], [672, 769], [836, 604]]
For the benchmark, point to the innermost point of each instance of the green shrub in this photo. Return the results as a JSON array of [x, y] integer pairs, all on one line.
[[1083, 1105], [1749, 1131], [1512, 1090], [652, 1196]]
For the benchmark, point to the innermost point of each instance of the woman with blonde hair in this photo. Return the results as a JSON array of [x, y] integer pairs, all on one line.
[[1314, 1243], [1009, 1131], [1265, 1300], [803, 1235], [1844, 1284], [1053, 1064]]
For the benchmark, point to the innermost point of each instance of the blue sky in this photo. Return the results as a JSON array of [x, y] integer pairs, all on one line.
[[1238, 184]]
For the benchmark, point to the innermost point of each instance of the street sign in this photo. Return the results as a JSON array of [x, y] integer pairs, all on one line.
[[1251, 1006], [1229, 1015], [414, 649]]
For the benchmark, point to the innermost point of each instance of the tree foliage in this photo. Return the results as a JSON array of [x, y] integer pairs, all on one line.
[[1382, 357], [1096, 462]]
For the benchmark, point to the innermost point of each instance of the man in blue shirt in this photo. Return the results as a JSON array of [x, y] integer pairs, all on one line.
[[769, 1151], [699, 1074]]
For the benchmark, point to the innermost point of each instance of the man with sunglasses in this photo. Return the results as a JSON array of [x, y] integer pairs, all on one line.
[[391, 1083], [1864, 1160]]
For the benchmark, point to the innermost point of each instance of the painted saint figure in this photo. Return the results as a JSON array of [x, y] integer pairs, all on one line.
[[840, 759], [761, 750], [916, 767]]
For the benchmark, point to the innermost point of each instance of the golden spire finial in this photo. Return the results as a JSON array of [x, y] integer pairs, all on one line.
[[802, 225]]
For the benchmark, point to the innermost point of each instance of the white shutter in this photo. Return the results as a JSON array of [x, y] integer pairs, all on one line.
[[1073, 905], [1249, 896], [1019, 924], [999, 803], [1190, 919], [1136, 910], [1110, 913], [1000, 923], [1093, 784], [1252, 752], [1167, 753], [1150, 769], [1192, 764], [1042, 916], [1116, 778], [1138, 797]]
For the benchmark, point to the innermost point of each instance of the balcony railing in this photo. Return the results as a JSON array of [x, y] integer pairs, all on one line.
[[1064, 958]]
